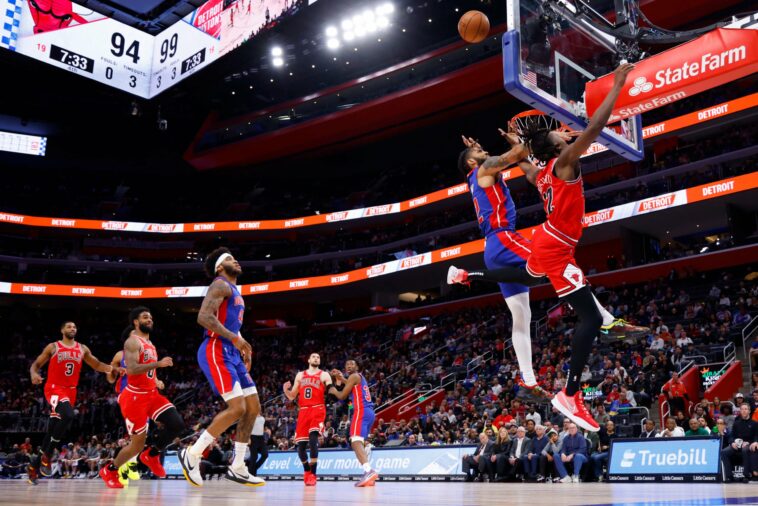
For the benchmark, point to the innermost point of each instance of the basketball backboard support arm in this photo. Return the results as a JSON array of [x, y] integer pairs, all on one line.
[[555, 107]]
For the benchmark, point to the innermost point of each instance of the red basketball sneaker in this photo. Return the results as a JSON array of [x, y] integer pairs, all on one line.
[[457, 276], [535, 390], [153, 462], [110, 477], [310, 479], [574, 408]]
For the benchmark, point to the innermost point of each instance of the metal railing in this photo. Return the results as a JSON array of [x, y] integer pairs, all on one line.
[[747, 333], [730, 352]]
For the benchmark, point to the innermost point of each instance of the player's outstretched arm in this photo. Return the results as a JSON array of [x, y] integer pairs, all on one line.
[[117, 371], [40, 362], [94, 363], [564, 166], [207, 318], [290, 390], [494, 164], [131, 357], [343, 394]]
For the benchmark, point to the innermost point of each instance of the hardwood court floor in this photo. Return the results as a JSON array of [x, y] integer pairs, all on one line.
[[179, 493]]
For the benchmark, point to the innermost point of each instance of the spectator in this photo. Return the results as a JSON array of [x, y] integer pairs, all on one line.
[[499, 459], [549, 454], [520, 448], [534, 415], [601, 417], [599, 459], [539, 442], [743, 442], [676, 392], [695, 429], [474, 466], [648, 429], [573, 451], [672, 429], [259, 439]]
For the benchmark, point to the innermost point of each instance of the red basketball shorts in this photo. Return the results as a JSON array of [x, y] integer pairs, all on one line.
[[553, 257], [310, 419], [55, 394], [137, 407]]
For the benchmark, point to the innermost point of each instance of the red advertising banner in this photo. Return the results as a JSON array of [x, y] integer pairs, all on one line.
[[711, 60]]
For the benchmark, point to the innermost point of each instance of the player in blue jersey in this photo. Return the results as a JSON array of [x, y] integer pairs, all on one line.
[[356, 389], [503, 246], [224, 357]]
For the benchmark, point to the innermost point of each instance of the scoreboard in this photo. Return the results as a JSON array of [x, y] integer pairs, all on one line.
[[79, 40]]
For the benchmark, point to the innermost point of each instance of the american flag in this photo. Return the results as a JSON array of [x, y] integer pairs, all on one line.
[[530, 77]]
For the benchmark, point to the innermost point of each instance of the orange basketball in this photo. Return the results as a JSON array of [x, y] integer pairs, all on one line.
[[474, 27]]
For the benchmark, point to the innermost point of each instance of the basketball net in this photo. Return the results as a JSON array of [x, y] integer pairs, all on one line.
[[532, 120]]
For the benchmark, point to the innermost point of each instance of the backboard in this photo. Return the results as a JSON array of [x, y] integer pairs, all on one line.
[[549, 56]]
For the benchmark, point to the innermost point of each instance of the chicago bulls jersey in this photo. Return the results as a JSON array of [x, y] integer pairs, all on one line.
[[495, 210], [311, 391], [65, 366], [147, 355], [564, 205]]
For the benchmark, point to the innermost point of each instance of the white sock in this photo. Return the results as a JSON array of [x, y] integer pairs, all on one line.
[[607, 317], [522, 342], [203, 442], [239, 455], [366, 467]]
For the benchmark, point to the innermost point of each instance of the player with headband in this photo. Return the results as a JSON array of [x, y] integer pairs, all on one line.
[[225, 358]]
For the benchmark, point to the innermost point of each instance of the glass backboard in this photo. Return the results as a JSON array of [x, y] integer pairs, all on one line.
[[549, 56]]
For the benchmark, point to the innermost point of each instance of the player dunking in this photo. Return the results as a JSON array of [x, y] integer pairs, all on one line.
[[560, 185], [65, 358], [140, 401], [309, 388], [503, 246], [224, 356], [356, 388]]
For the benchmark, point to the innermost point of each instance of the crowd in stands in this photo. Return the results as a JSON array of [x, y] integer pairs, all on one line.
[[687, 316]]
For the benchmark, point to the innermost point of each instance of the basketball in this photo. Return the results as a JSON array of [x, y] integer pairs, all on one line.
[[474, 27]]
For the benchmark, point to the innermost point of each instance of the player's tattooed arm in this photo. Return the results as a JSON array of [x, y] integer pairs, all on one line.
[[206, 318], [353, 380], [494, 164], [93, 362], [290, 390], [39, 362], [131, 357]]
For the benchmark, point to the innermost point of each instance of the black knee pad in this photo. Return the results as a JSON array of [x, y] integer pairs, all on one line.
[[302, 451], [66, 413], [172, 422], [313, 444]]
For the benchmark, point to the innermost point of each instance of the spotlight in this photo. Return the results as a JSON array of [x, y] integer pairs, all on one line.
[[331, 32], [348, 36], [387, 8], [333, 43], [278, 61], [347, 24], [277, 51]]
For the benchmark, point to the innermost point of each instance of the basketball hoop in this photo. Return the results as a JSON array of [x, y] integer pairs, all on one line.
[[526, 120]]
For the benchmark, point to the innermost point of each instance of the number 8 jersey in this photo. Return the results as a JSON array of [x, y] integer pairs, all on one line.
[[311, 390]]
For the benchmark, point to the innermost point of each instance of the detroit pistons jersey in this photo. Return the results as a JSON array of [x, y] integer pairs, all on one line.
[[147, 355], [360, 396], [495, 210], [564, 205], [65, 365], [311, 391], [230, 312]]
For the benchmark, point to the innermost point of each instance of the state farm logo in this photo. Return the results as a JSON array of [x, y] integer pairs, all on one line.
[[657, 203], [160, 227], [640, 86], [176, 292], [598, 217], [376, 270], [114, 225], [339, 216], [411, 262], [377, 210], [418, 201]]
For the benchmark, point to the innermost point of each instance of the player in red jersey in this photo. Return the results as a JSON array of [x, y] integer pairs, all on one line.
[[65, 358], [140, 401], [560, 185], [309, 388]]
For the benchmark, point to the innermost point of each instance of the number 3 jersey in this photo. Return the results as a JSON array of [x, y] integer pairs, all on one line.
[[147, 355], [65, 366], [564, 205]]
